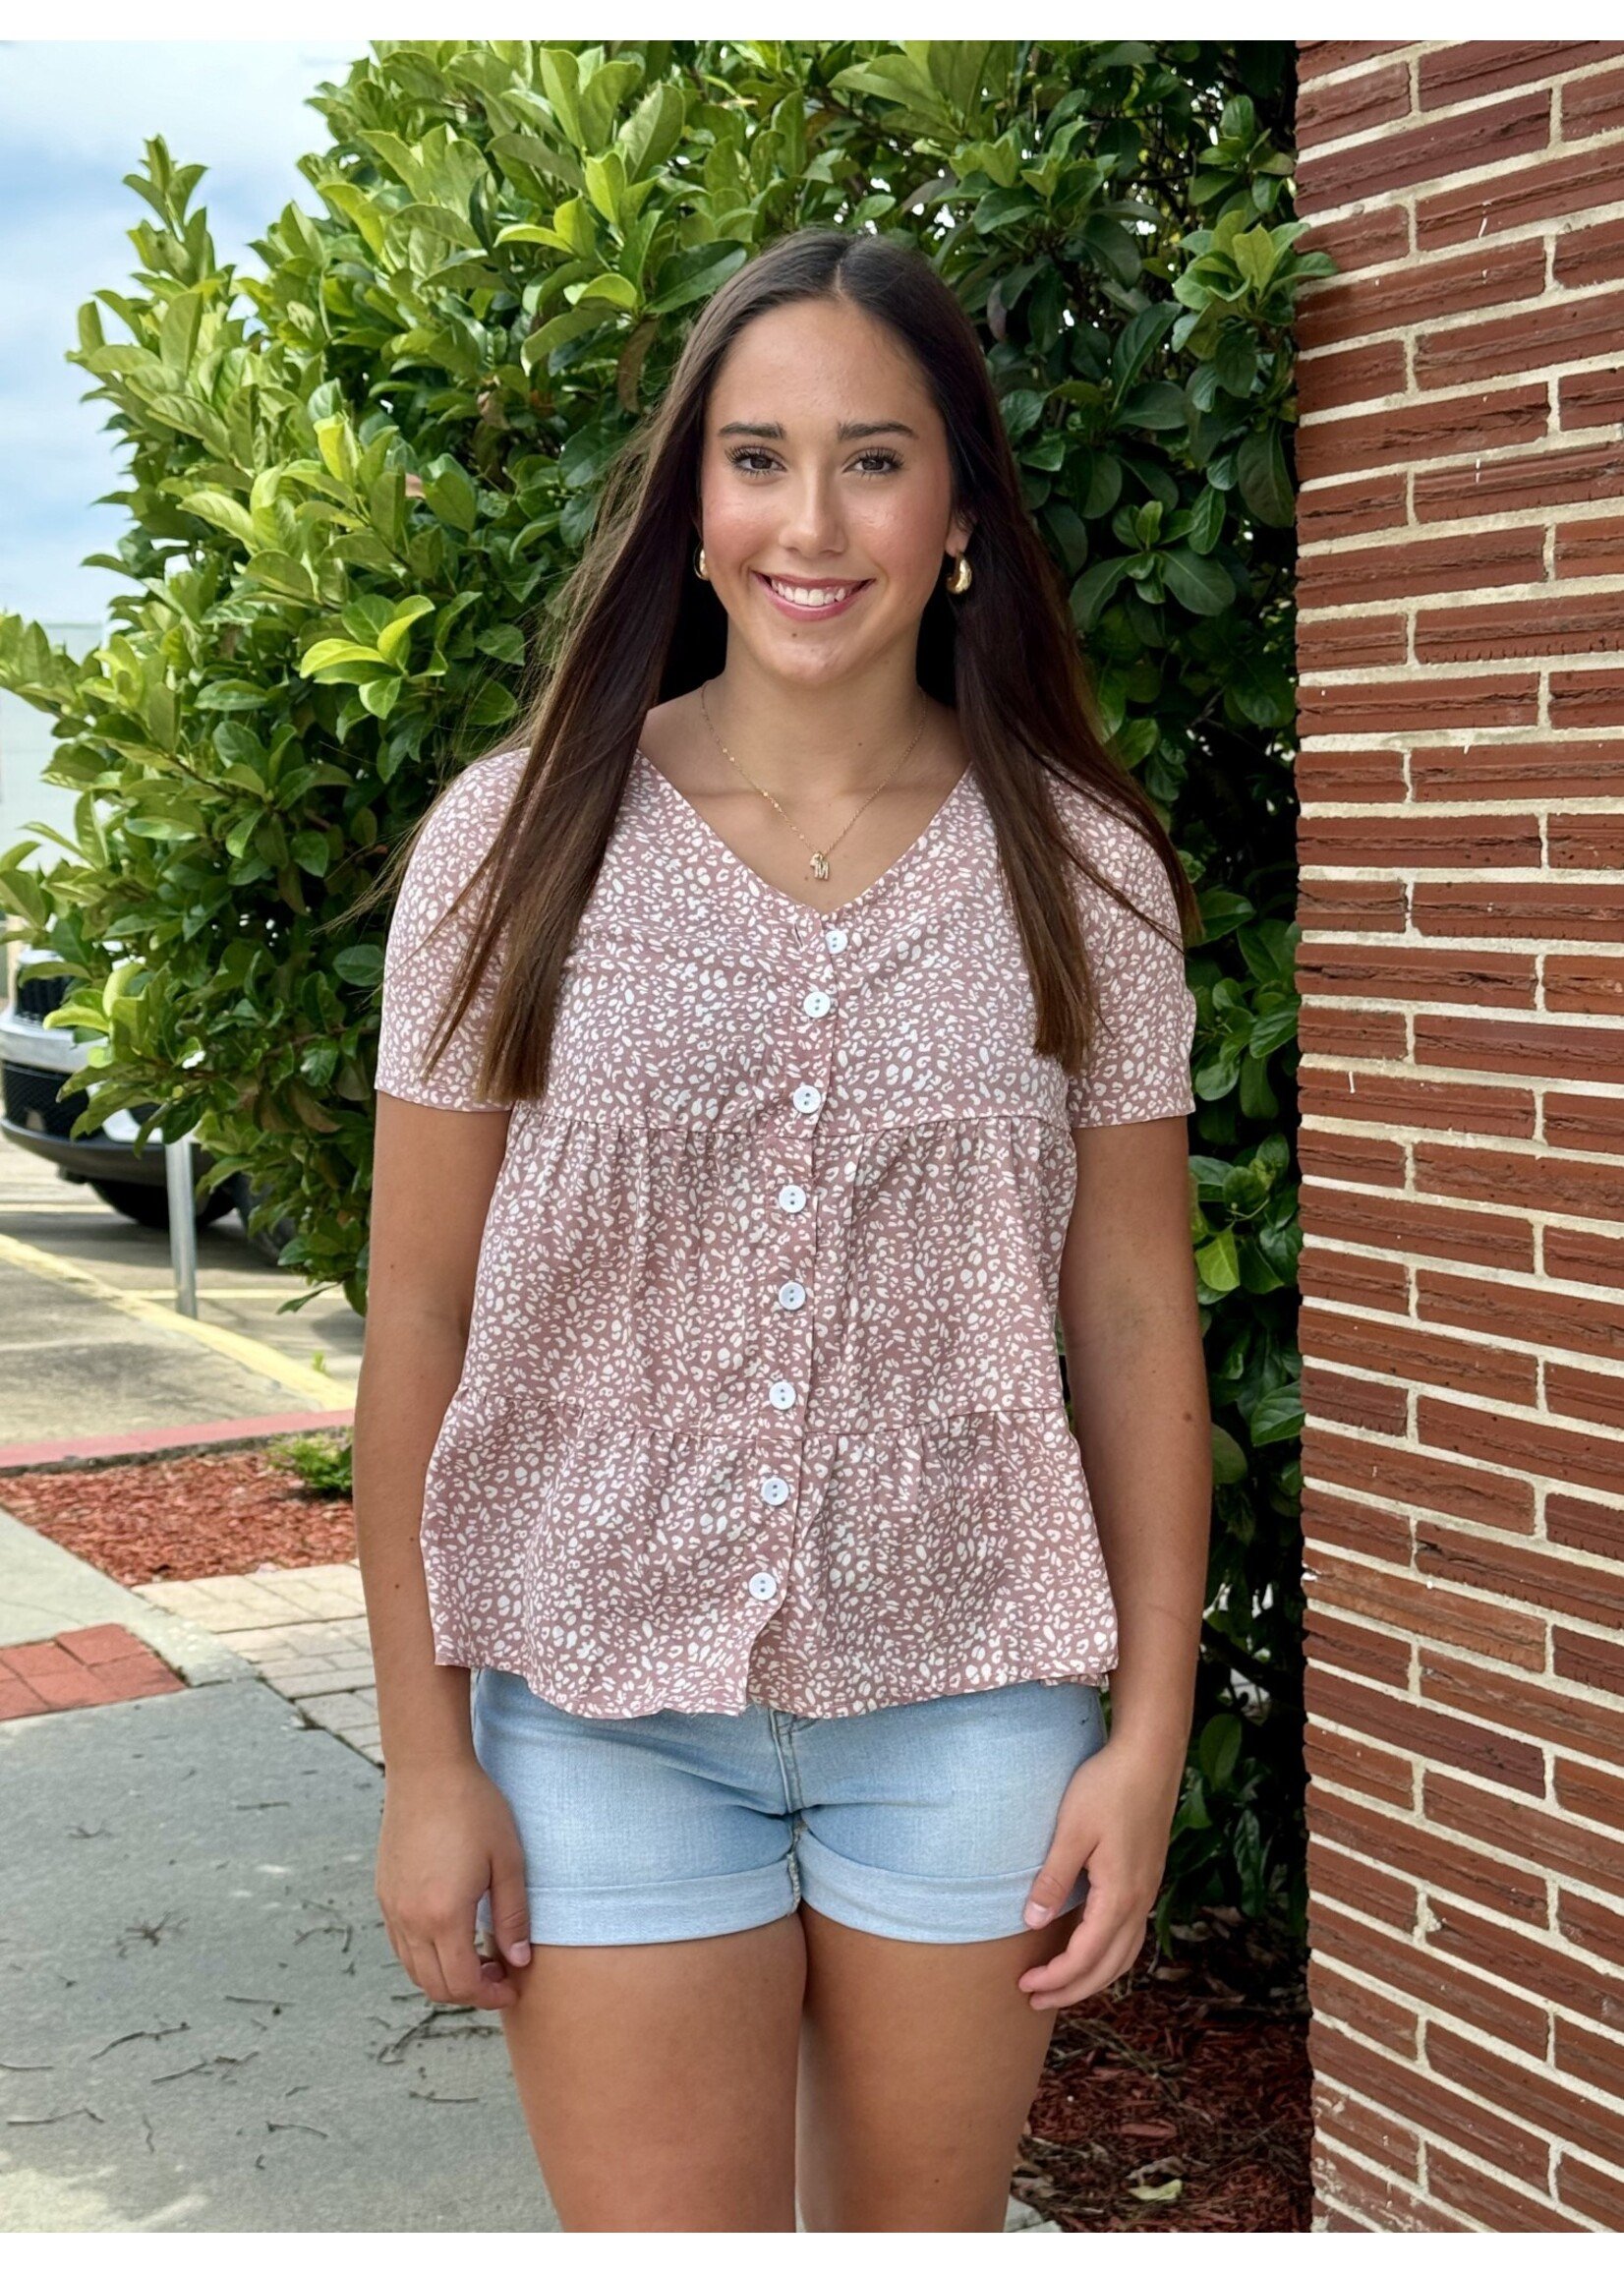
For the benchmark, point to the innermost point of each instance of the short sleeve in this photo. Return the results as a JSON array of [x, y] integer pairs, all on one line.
[[421, 964], [1139, 1067]]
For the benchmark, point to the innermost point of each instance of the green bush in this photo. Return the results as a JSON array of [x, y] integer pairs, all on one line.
[[322, 1462], [357, 474]]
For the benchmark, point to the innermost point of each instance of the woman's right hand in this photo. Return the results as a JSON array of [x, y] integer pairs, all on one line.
[[447, 1834]]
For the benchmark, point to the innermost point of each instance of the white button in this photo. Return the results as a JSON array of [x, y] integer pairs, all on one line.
[[808, 1097], [834, 939], [782, 1396], [818, 1005], [763, 1585], [774, 1491], [792, 1199], [791, 1295]]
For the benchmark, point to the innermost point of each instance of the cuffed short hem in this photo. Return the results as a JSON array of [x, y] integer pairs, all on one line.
[[911, 1909], [673, 1910], [853, 1894]]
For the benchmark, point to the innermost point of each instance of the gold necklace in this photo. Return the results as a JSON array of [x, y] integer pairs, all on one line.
[[819, 863]]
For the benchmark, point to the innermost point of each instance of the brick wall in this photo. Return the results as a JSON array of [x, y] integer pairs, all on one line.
[[1460, 649]]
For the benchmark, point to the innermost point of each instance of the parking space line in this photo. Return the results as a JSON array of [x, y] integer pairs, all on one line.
[[256, 1357]]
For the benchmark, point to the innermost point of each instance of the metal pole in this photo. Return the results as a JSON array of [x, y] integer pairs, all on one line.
[[182, 1223]]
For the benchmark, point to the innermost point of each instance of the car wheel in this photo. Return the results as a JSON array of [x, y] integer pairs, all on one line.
[[150, 1204]]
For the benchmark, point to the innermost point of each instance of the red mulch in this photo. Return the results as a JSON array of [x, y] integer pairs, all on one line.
[[1195, 2073], [194, 1516], [1190, 2074]]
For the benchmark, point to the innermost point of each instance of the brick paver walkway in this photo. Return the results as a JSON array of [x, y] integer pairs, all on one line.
[[304, 1632], [87, 1665]]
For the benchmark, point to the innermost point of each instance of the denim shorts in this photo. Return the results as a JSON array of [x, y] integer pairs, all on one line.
[[926, 1822]]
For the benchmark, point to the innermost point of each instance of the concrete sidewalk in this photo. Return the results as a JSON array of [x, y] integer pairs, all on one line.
[[91, 1339], [206, 2028]]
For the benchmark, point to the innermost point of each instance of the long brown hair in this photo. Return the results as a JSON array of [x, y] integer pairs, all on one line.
[[634, 626]]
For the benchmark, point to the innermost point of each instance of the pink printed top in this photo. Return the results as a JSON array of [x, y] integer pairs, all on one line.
[[762, 1398]]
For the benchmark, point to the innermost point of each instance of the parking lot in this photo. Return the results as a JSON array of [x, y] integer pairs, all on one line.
[[92, 1345]]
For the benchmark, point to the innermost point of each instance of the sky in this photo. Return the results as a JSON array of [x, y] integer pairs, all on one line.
[[75, 117]]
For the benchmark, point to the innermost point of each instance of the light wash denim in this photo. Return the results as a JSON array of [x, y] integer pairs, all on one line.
[[926, 1822]]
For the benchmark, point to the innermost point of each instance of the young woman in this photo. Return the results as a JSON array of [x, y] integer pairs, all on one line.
[[775, 1039]]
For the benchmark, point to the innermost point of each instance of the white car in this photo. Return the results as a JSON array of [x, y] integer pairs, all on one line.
[[36, 1060]]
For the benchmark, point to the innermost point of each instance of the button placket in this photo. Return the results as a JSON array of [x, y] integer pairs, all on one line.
[[784, 1390]]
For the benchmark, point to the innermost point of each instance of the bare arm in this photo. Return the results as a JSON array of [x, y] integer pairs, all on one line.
[[432, 1176], [1137, 1377], [433, 1171]]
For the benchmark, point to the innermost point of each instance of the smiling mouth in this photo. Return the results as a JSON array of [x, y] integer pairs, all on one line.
[[814, 598]]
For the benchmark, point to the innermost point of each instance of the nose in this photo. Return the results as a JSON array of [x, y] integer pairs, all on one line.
[[813, 523]]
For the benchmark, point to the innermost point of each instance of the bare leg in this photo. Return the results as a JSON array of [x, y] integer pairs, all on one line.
[[919, 2065], [657, 2079]]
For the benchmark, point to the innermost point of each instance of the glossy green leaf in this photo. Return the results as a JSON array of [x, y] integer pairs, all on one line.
[[1200, 584], [449, 492], [1260, 468]]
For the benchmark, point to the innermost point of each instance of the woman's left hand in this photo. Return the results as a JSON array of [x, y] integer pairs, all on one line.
[[1115, 1821]]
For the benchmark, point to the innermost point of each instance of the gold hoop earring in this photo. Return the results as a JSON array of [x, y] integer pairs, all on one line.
[[959, 580], [699, 568]]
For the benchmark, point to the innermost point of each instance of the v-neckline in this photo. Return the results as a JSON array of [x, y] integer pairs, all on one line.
[[776, 892]]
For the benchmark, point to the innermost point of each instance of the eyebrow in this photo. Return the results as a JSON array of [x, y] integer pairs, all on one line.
[[848, 430]]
